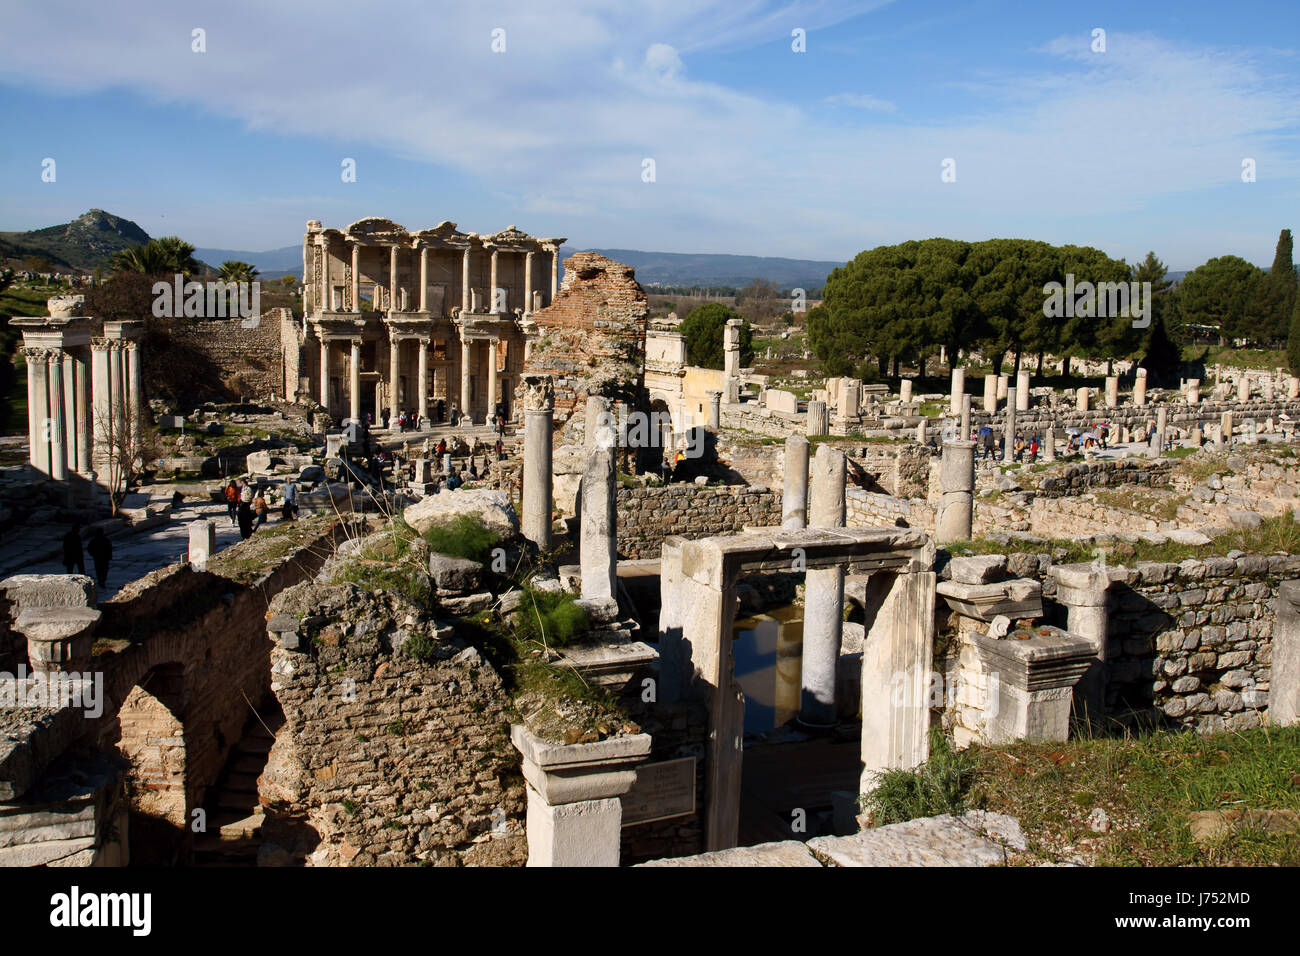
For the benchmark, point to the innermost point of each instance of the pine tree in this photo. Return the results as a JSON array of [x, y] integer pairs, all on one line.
[[1281, 295], [1163, 357], [1293, 340]]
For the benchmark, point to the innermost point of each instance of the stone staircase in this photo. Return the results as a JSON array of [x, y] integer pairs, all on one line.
[[234, 815]]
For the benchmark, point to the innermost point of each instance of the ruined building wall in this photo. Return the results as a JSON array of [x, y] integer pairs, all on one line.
[[591, 339], [648, 515], [387, 759], [256, 354]]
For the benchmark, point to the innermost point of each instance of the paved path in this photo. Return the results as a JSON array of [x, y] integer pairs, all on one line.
[[135, 555]]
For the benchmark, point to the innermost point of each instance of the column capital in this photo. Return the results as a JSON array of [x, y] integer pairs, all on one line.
[[537, 393]]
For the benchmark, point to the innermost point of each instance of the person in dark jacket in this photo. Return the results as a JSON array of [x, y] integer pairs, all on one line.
[[101, 552], [245, 520], [72, 553]]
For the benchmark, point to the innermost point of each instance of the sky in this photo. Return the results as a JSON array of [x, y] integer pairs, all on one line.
[[551, 117]]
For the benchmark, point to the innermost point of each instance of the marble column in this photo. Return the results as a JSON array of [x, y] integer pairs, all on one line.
[[1293, 388], [1022, 391], [818, 419], [38, 413], [326, 301], [324, 374], [958, 390], [1140, 387], [492, 349], [965, 417], [794, 496], [1193, 391], [905, 390], [117, 376], [1081, 400], [354, 381], [824, 596], [356, 279], [528, 282], [598, 551], [424, 278], [1112, 391], [134, 392], [464, 283], [990, 393], [1162, 424], [1049, 444], [1225, 425], [1009, 441], [102, 396], [422, 387], [57, 434], [715, 409], [957, 487], [85, 439], [538, 400], [1083, 590], [1243, 388], [394, 363], [71, 423], [555, 273], [1004, 383], [466, 352], [492, 285], [392, 278]]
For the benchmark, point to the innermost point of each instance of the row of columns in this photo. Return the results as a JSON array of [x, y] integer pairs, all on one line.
[[394, 291]]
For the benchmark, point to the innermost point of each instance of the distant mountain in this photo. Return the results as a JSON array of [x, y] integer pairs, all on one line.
[[686, 269], [83, 244], [270, 264]]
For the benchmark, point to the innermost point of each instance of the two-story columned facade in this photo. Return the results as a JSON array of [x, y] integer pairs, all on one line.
[[426, 321]]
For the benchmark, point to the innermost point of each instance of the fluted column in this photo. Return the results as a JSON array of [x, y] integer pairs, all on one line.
[[394, 357], [102, 397], [492, 379], [492, 285], [58, 440], [68, 369], [326, 302], [356, 278], [37, 409], [422, 388], [528, 282], [539, 408], [117, 377], [83, 415], [465, 352], [424, 283], [325, 373], [464, 283], [555, 273], [135, 389], [392, 278], [354, 382]]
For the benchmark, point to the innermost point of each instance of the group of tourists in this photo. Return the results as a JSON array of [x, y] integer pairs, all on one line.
[[99, 547], [248, 505]]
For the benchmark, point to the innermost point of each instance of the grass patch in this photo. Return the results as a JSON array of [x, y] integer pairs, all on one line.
[[465, 536], [940, 785], [550, 618]]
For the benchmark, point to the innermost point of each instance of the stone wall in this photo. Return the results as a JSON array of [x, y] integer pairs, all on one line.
[[679, 730], [865, 509], [648, 515], [1105, 473], [387, 759], [256, 354], [591, 339]]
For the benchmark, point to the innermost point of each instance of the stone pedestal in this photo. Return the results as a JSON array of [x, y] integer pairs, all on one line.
[[1293, 388], [957, 486], [1112, 391], [1266, 389], [824, 596], [990, 394], [921, 427], [1081, 400], [1009, 437], [818, 419], [1031, 676], [1225, 428], [575, 817], [1049, 444], [1193, 391], [794, 496], [1083, 590], [1243, 388], [599, 544], [958, 390], [1022, 391], [905, 391], [203, 543], [1140, 387], [59, 639]]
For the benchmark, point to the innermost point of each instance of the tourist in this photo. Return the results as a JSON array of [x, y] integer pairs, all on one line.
[[260, 508], [442, 447], [290, 509], [500, 450], [453, 480], [245, 519], [232, 500], [986, 438], [101, 552], [473, 471], [245, 492], [72, 553], [1033, 448]]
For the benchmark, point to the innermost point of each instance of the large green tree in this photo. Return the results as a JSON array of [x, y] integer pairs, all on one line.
[[1218, 293], [703, 331], [1273, 295], [169, 254]]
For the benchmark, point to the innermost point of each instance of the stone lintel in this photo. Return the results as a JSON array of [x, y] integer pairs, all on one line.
[[1018, 598]]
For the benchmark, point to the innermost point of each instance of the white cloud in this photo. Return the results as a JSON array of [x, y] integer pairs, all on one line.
[[560, 123]]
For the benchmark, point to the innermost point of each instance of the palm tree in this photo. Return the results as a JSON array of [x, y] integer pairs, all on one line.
[[157, 257], [232, 270], [179, 255]]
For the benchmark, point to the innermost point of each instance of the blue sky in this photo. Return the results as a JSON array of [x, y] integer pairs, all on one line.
[[758, 149]]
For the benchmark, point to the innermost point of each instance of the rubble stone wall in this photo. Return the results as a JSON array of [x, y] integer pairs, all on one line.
[[648, 515], [256, 353]]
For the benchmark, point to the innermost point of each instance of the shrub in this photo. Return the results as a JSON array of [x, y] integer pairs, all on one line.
[[550, 618], [465, 536], [937, 786]]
